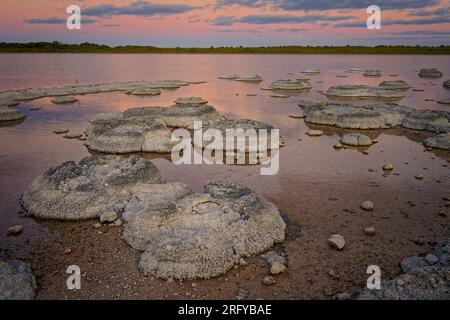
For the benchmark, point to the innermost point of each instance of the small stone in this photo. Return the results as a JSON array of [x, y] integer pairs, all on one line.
[[367, 205], [194, 285], [370, 231], [315, 133], [15, 230], [67, 250], [241, 295], [276, 261], [333, 275], [97, 225], [118, 223], [268, 281], [388, 167], [419, 177], [400, 282], [242, 262], [365, 151], [338, 146], [343, 296], [336, 241], [108, 216], [73, 135], [60, 131], [431, 258]]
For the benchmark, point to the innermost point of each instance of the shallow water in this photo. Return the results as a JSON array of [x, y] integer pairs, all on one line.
[[311, 171]]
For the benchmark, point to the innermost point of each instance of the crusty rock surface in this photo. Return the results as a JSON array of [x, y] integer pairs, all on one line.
[[356, 139], [190, 101], [228, 76], [440, 141], [289, 85], [363, 91], [372, 73], [255, 78], [424, 278], [64, 100], [144, 129], [375, 116], [202, 235], [145, 92], [75, 191], [395, 84], [447, 84], [8, 113], [430, 73], [16, 281]]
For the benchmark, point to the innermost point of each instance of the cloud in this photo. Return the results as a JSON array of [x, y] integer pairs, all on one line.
[[244, 3], [56, 20], [435, 12], [276, 19], [138, 8], [352, 4], [420, 21]]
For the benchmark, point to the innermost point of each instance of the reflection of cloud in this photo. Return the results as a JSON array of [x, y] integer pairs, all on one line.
[[138, 8], [276, 18], [56, 20]]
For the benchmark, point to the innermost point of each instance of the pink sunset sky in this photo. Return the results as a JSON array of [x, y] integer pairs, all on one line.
[[203, 23]]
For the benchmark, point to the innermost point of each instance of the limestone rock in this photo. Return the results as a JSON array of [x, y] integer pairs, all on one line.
[[74, 191], [64, 100], [289, 85], [10, 114], [336, 241], [277, 262], [356, 139], [440, 141], [430, 73], [255, 78]]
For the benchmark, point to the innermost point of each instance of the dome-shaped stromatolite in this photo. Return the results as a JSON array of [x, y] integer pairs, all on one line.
[[372, 73], [144, 129], [440, 141], [255, 78], [190, 101], [430, 73], [145, 92], [202, 235], [11, 114], [363, 91], [356, 139], [228, 76], [64, 100], [289, 85], [447, 84], [74, 191], [395, 85]]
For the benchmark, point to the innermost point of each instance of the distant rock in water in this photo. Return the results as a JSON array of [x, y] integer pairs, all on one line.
[[229, 76], [16, 281], [311, 71], [375, 116], [447, 84], [430, 73], [395, 85], [64, 100], [372, 73], [441, 141], [145, 92], [11, 114], [255, 78], [289, 85], [363, 91], [424, 278]]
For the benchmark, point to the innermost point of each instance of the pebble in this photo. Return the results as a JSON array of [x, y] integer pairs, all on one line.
[[338, 146], [15, 230], [367, 205], [336, 241], [73, 135], [369, 231], [431, 258], [314, 133], [268, 281], [108, 216], [419, 177], [242, 262], [118, 223], [388, 167], [241, 295], [60, 131], [97, 225]]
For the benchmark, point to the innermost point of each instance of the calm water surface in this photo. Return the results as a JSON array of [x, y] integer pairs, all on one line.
[[311, 171]]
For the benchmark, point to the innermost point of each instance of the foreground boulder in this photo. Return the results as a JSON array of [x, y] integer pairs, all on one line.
[[375, 116], [16, 281], [430, 73], [144, 129], [201, 235], [74, 191], [182, 234], [8, 113], [440, 141], [424, 278]]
